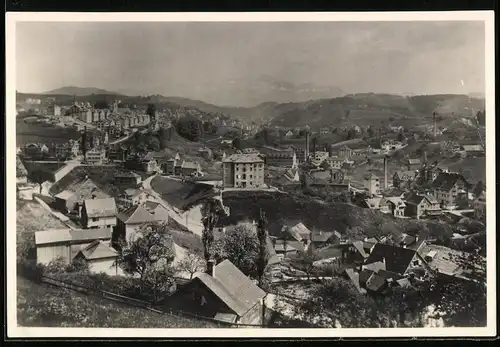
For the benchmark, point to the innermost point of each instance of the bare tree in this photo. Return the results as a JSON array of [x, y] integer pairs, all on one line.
[[191, 263]]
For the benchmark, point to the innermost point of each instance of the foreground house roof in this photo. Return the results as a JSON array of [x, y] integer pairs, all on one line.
[[231, 286], [98, 250]]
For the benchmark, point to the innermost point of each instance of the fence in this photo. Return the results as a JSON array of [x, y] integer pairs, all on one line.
[[137, 303]]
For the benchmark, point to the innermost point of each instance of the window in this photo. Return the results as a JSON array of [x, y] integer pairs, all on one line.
[[95, 219]]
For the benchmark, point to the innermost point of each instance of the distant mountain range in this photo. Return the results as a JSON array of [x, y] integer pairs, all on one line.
[[80, 91], [360, 109]]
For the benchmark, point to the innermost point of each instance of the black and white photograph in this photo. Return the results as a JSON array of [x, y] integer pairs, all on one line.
[[278, 173]]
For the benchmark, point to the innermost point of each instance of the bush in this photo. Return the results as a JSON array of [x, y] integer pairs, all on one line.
[[30, 270], [56, 266]]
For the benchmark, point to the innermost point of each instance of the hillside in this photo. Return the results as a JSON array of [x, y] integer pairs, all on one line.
[[372, 109], [285, 209], [45, 306], [79, 91]]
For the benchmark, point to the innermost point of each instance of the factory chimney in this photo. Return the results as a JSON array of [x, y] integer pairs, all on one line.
[[434, 123], [385, 172], [306, 152]]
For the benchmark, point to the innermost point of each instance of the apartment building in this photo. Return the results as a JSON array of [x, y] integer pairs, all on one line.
[[243, 171]]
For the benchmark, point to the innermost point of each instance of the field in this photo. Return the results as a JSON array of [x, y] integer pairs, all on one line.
[[31, 217], [288, 209], [174, 191], [40, 305], [43, 133]]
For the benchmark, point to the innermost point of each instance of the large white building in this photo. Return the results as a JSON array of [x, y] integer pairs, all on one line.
[[243, 171]]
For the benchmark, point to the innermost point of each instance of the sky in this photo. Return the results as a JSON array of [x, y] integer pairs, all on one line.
[[225, 62]]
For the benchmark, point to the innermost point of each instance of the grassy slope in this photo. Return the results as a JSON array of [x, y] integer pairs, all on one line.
[[46, 306], [282, 208], [31, 217]]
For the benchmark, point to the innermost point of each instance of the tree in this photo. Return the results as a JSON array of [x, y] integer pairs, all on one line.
[[151, 111], [401, 137], [101, 104], [153, 143], [241, 246], [151, 248], [263, 254], [237, 143], [463, 301], [351, 134], [191, 263], [212, 209], [305, 262], [325, 165], [479, 188], [314, 144]]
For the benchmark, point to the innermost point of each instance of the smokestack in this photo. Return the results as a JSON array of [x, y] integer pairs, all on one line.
[[385, 172], [435, 126], [306, 152]]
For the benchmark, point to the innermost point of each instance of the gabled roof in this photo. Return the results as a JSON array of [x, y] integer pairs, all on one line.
[[71, 235], [231, 286], [100, 207], [415, 161], [65, 195], [290, 174], [136, 214], [359, 247], [473, 148], [52, 236], [396, 200], [375, 267], [354, 277], [397, 259], [190, 165], [415, 199], [299, 232], [321, 236], [405, 175], [78, 235], [370, 176], [98, 250], [446, 180], [375, 282]]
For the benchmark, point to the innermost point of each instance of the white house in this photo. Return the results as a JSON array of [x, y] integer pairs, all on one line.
[[132, 219], [101, 258], [66, 243], [99, 213]]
